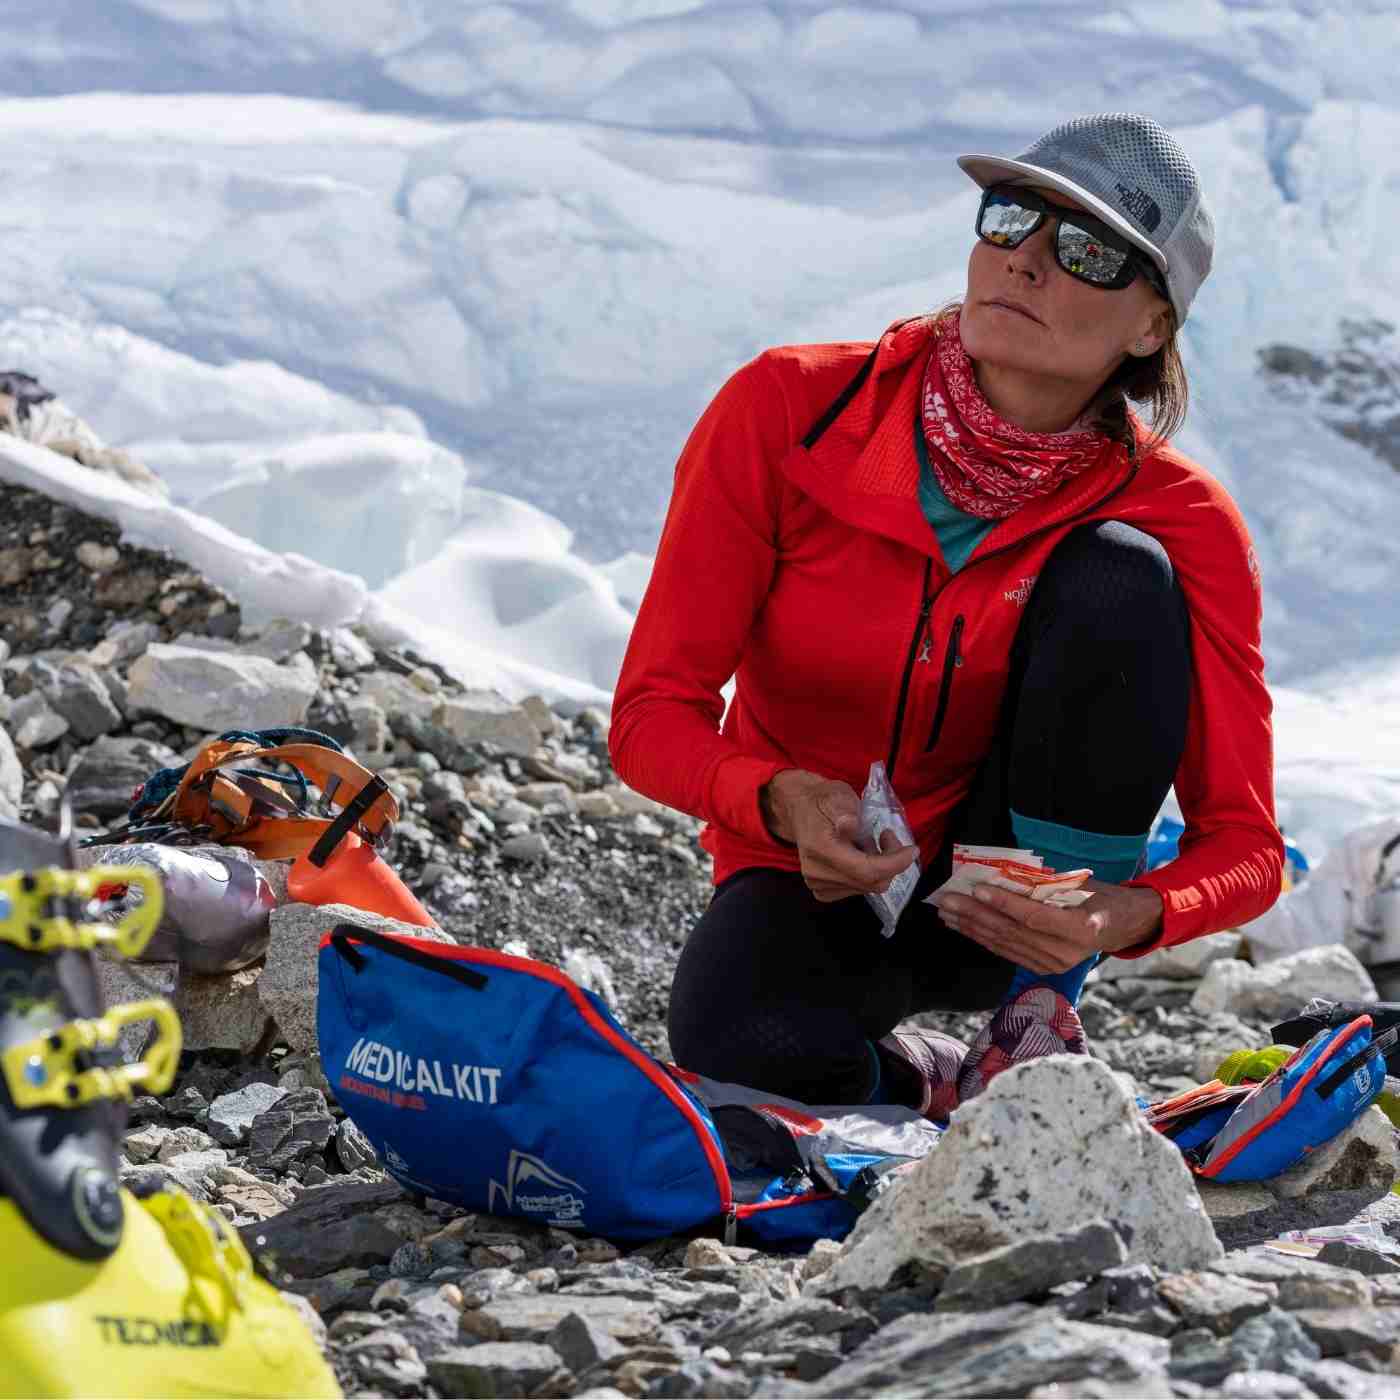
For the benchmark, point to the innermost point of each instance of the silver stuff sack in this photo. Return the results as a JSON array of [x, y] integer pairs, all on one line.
[[217, 903]]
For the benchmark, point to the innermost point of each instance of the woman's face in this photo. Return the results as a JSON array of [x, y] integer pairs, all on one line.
[[1024, 312]]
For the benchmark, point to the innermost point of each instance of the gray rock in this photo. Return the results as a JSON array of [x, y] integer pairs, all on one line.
[[298, 1126], [124, 641], [396, 695], [410, 1260], [183, 1139], [757, 1329], [1345, 1331], [533, 1317], [34, 724], [529, 846], [212, 691], [546, 795], [222, 1012], [1271, 1341], [352, 1147], [349, 653], [80, 697], [277, 640], [1372, 1262], [1214, 1300], [1337, 1380], [11, 778], [1006, 1351], [1032, 1266], [493, 1369], [702, 1377], [286, 1244], [1279, 989], [110, 768], [582, 1344], [198, 1163], [1183, 962], [1301, 1283], [152, 1176], [483, 716], [121, 982], [287, 987], [232, 1115], [1263, 1385], [1051, 1144], [428, 737]]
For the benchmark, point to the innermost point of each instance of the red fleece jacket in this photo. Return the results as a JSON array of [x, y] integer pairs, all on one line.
[[814, 579]]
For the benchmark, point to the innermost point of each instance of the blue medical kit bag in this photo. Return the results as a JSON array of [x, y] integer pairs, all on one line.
[[497, 1083]]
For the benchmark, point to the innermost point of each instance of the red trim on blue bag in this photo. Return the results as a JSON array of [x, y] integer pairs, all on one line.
[[639, 1058], [801, 1198], [1235, 1148]]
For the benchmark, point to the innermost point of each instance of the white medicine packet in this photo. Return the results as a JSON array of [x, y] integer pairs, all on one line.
[[1011, 868], [882, 811]]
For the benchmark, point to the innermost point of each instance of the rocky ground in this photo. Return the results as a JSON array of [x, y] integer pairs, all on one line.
[[517, 835]]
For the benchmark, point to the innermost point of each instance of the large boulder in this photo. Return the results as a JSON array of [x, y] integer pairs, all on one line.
[[1051, 1145], [1280, 989], [213, 691], [287, 986]]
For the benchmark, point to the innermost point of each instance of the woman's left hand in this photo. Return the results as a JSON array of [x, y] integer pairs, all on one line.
[[1049, 940]]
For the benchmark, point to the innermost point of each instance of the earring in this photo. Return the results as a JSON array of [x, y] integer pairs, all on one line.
[[1139, 348]]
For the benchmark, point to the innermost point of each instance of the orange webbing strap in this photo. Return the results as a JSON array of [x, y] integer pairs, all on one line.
[[361, 798]]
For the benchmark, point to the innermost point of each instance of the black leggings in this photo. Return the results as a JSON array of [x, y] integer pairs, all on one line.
[[779, 991]]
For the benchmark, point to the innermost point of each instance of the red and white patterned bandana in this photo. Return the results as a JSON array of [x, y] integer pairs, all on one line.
[[985, 465]]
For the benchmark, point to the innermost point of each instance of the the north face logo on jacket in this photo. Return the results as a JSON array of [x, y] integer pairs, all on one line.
[[1021, 592]]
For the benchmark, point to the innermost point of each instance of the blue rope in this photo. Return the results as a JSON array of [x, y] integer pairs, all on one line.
[[161, 785]]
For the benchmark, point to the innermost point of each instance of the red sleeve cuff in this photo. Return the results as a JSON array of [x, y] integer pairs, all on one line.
[[732, 801]]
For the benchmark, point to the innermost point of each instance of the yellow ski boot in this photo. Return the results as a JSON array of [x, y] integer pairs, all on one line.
[[102, 1294]]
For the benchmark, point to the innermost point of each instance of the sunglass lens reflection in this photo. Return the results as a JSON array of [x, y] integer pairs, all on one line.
[[1006, 223], [1081, 253]]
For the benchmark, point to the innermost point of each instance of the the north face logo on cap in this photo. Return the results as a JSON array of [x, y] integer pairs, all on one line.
[[1140, 205]]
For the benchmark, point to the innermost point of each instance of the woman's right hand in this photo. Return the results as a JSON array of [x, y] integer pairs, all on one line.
[[822, 818]]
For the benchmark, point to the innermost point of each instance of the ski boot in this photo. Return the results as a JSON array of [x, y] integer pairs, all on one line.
[[102, 1294]]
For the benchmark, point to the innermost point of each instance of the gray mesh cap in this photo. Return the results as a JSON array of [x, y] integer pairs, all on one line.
[[1134, 175]]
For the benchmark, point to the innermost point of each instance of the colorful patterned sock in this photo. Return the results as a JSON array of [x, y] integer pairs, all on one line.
[[1038, 1016]]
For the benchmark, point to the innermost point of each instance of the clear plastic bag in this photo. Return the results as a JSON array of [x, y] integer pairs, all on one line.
[[882, 811]]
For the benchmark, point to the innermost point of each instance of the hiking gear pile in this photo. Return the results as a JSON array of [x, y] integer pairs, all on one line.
[[252, 789], [93, 1277]]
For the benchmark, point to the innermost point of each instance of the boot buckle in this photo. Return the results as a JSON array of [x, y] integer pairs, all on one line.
[[43, 1072]]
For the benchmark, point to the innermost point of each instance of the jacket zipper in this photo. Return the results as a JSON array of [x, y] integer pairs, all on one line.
[[951, 658], [925, 607], [951, 661]]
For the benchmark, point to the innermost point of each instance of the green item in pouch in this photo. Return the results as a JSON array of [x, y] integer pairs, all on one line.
[[1252, 1066]]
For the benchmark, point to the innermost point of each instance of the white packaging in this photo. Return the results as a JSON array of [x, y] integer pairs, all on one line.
[[880, 812]]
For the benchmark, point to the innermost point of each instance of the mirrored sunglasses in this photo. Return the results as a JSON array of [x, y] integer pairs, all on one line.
[[1084, 246]]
